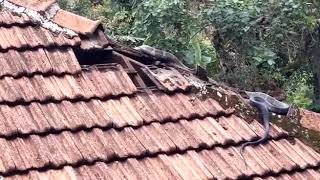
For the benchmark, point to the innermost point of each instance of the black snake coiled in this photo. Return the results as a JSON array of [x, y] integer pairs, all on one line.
[[265, 104]]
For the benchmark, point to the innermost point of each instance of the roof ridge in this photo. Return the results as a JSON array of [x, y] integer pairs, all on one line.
[[50, 16], [44, 20]]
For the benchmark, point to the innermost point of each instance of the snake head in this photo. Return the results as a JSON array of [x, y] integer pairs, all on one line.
[[272, 104]]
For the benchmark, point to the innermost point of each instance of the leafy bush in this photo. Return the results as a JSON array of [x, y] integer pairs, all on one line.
[[299, 89]]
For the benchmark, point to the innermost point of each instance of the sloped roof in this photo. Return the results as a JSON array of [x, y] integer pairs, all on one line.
[[59, 120]]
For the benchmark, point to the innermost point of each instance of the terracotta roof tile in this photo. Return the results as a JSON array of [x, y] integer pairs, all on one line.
[[10, 19], [37, 5], [38, 61], [31, 37], [162, 167], [56, 88], [308, 174], [75, 22], [98, 144], [38, 118]]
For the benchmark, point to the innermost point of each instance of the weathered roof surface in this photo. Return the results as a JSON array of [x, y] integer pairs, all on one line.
[[16, 37], [310, 120], [8, 19], [58, 121]]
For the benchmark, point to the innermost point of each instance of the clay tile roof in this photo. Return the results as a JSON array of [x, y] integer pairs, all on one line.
[[37, 5], [75, 22], [9, 19], [32, 37], [122, 119]]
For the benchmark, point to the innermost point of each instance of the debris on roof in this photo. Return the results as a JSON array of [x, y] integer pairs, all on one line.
[[126, 118], [170, 78]]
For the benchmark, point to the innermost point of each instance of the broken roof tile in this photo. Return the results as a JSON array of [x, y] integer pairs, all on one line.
[[75, 22], [310, 119], [170, 79]]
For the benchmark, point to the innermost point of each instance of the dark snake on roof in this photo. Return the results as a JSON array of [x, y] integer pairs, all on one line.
[[162, 56], [265, 104]]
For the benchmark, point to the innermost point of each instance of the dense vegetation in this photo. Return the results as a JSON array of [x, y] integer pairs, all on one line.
[[265, 45]]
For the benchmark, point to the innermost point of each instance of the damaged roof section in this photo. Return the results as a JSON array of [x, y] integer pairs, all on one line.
[[170, 78]]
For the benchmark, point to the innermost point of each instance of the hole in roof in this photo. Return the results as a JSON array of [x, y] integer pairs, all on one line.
[[105, 57], [92, 57]]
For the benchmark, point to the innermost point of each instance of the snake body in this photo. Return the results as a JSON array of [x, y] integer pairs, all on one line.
[[265, 104], [161, 55], [260, 104]]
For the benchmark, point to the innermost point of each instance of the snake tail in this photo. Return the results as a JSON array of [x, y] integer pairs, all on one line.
[[265, 115]]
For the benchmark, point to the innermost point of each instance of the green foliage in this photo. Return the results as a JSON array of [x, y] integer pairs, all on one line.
[[197, 50], [262, 57], [314, 107], [299, 89], [261, 28], [82, 7]]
